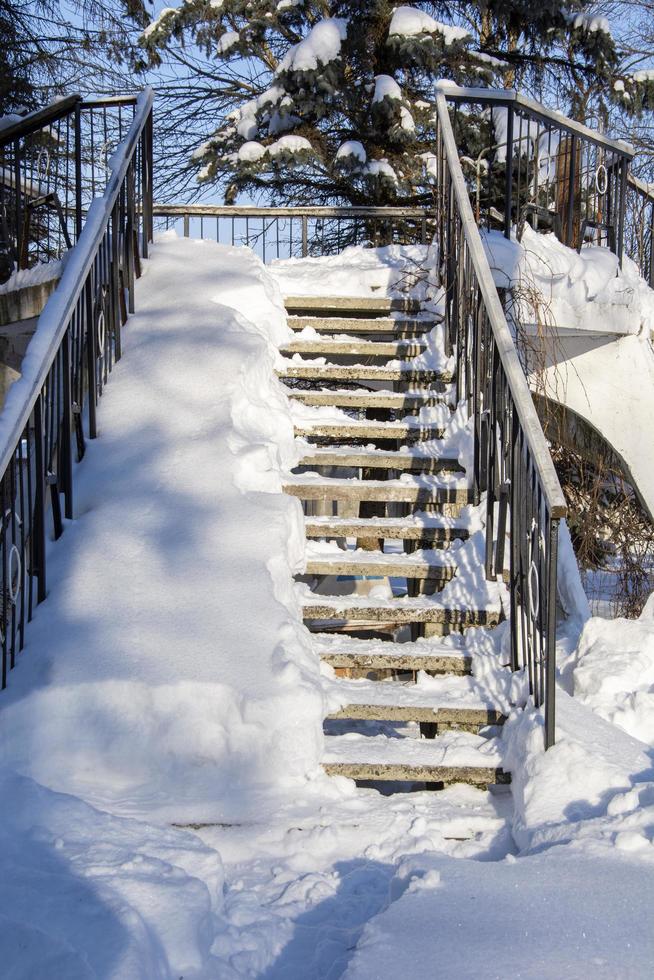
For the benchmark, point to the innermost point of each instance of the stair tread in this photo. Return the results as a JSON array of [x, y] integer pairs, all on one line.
[[412, 527], [328, 643], [450, 692], [340, 345], [402, 371], [413, 326], [346, 398], [451, 749], [365, 429], [422, 558], [403, 606], [373, 458], [352, 303]]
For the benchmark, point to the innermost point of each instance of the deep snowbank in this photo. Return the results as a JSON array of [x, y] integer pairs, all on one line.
[[559, 287], [169, 674]]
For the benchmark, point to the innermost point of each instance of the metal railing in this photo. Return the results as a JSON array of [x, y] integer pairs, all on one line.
[[297, 232], [51, 410], [512, 462], [639, 226], [53, 163], [538, 167]]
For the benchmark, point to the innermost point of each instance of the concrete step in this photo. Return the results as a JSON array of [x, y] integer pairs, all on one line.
[[350, 305], [365, 348], [349, 456], [408, 431], [350, 652], [405, 373], [449, 702], [409, 401], [427, 490], [408, 609], [416, 527], [453, 757], [398, 327], [424, 564]]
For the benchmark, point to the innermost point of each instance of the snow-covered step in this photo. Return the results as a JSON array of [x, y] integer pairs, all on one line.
[[453, 757], [447, 701], [415, 527], [407, 609], [409, 430], [366, 348], [423, 654], [408, 489], [400, 327], [350, 305], [399, 400], [368, 458], [424, 564], [404, 372]]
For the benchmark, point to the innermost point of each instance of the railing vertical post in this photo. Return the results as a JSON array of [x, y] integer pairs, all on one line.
[[38, 539], [130, 232], [305, 236], [90, 356], [78, 170], [187, 228], [622, 204], [650, 276], [67, 430], [572, 176], [508, 189], [550, 639], [18, 209]]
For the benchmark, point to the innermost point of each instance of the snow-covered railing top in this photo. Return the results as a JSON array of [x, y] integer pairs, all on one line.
[[512, 462], [52, 406], [539, 167]]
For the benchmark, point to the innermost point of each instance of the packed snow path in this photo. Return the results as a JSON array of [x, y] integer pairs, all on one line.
[[374, 409]]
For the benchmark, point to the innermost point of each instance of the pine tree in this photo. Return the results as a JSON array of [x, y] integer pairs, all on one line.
[[334, 101]]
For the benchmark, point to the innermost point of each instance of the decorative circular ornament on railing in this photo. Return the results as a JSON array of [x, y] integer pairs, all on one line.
[[601, 180], [14, 580]]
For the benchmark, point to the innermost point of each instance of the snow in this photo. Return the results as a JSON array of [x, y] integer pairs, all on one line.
[[381, 169], [386, 88], [165, 14], [351, 149], [410, 22], [251, 151], [188, 696], [40, 273], [589, 22], [614, 672], [318, 48], [580, 291], [155, 690], [356, 271], [227, 41], [291, 145]]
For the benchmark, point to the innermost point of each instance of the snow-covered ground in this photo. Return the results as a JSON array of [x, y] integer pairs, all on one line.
[[168, 681]]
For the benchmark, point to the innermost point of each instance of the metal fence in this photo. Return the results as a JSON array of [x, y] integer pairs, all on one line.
[[52, 411], [639, 226], [537, 167], [53, 163], [297, 232], [512, 462]]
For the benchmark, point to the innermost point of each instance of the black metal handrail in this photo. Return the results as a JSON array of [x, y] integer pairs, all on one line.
[[639, 226], [53, 162], [540, 167], [51, 410], [294, 232], [512, 462]]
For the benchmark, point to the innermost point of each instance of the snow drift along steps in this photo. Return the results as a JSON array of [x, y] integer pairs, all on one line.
[[451, 698]]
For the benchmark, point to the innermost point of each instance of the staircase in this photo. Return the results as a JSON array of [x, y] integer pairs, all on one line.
[[389, 518]]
